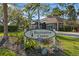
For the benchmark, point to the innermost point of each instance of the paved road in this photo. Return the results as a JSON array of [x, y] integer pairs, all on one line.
[[72, 34]]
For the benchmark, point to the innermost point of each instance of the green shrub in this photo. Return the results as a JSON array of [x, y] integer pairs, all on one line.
[[1, 28], [6, 52], [10, 28], [20, 37], [30, 43], [66, 28]]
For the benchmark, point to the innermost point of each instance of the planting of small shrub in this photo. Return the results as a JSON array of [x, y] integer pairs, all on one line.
[[30, 43]]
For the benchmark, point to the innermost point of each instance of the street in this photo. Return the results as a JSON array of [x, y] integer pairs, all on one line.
[[72, 34]]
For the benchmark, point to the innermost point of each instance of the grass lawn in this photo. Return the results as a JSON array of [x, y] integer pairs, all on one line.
[[70, 45], [12, 33]]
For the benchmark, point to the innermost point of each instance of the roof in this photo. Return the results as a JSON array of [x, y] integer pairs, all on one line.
[[52, 19]]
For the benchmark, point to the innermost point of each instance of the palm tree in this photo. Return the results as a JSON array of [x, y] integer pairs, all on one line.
[[30, 12], [38, 11], [69, 11], [41, 9], [34, 9], [64, 13], [57, 12], [72, 14]]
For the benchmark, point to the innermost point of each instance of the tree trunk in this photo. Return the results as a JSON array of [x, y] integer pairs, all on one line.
[[5, 23], [57, 26], [30, 19], [5, 19], [38, 18], [74, 25]]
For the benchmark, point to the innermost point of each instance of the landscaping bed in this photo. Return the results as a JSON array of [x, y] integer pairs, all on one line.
[[68, 45]]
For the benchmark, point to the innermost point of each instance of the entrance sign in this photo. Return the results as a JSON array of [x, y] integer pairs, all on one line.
[[39, 33]]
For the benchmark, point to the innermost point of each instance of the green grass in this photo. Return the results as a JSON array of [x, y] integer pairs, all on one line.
[[1, 34], [6, 52], [70, 45], [12, 33]]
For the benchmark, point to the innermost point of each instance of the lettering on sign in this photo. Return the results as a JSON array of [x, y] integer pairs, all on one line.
[[39, 33]]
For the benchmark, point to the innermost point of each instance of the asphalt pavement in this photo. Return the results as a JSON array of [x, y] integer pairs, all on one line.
[[72, 34]]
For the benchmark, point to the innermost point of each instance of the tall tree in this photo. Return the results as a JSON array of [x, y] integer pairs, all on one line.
[[72, 14], [5, 23], [5, 14], [41, 9], [29, 10], [69, 12], [34, 9], [57, 12]]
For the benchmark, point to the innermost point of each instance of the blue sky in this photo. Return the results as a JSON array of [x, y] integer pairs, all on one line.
[[21, 6], [52, 5]]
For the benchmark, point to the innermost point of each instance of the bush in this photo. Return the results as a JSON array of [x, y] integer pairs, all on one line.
[[20, 37], [1, 28], [66, 28], [10, 28], [6, 52], [30, 43]]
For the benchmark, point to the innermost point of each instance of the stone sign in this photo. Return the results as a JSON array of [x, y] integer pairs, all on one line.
[[39, 33]]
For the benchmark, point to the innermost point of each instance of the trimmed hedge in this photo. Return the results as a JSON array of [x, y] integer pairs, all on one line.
[[10, 28]]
